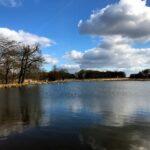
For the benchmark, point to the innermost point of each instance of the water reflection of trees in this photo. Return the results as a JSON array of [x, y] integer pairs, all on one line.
[[19, 108]]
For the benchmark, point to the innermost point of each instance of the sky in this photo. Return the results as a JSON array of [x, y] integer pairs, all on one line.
[[82, 34]]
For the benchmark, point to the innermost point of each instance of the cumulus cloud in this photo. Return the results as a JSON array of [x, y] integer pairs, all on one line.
[[129, 18], [11, 3], [25, 37], [121, 26], [50, 59], [115, 53], [74, 54], [72, 68]]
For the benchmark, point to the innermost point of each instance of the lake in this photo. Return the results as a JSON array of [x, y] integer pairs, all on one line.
[[76, 116]]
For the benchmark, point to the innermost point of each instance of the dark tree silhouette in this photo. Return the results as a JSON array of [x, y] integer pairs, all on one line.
[[8, 57], [29, 56], [145, 74]]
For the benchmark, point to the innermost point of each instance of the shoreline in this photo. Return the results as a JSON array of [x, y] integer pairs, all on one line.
[[16, 85]]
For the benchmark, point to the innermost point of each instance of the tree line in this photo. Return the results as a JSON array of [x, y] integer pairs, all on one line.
[[145, 74], [62, 74]]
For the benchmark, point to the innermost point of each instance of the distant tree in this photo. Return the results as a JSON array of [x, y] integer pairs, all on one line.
[[81, 74], [143, 74], [54, 68], [91, 74], [65, 74], [146, 73], [54, 75], [44, 75], [60, 74]]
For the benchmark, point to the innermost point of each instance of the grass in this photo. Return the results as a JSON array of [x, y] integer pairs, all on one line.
[[16, 85], [31, 82]]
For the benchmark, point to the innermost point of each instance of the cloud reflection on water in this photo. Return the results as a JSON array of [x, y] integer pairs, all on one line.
[[105, 115]]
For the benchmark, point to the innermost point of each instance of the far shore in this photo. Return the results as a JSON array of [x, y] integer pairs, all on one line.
[[16, 85]]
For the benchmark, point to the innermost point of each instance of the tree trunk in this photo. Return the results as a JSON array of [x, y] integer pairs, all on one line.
[[25, 69], [23, 76], [6, 76], [20, 75], [21, 70]]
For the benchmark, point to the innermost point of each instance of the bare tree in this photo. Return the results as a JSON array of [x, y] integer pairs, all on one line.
[[8, 57], [29, 56]]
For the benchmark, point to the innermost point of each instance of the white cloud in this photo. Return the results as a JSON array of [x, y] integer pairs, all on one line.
[[120, 25], [50, 60], [75, 55], [114, 53], [25, 37], [72, 68], [129, 18], [11, 3]]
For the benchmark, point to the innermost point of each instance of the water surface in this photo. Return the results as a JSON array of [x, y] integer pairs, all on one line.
[[76, 116]]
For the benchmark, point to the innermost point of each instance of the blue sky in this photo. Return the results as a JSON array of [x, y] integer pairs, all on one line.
[[57, 20]]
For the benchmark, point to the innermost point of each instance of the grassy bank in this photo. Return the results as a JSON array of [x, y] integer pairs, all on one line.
[[16, 85]]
